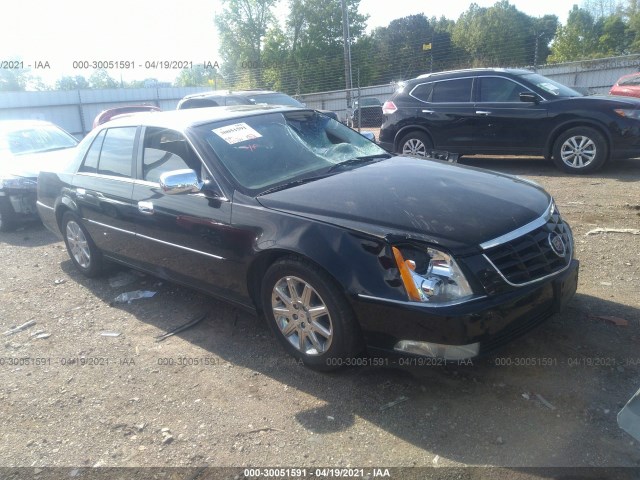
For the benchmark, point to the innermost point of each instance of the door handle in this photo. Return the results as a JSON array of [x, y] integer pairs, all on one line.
[[483, 112], [428, 111], [145, 207]]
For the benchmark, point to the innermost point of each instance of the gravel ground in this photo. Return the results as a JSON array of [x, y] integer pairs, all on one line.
[[223, 393]]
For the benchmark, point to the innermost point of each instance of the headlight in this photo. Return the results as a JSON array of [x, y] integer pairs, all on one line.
[[431, 276], [628, 113], [17, 182]]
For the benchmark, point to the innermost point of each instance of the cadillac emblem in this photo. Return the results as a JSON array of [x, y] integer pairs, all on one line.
[[557, 244]]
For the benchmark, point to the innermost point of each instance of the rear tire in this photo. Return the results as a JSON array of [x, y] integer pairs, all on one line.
[[83, 251], [309, 314], [580, 150], [415, 144]]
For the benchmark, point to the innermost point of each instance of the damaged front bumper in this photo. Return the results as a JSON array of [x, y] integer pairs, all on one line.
[[20, 204], [467, 330]]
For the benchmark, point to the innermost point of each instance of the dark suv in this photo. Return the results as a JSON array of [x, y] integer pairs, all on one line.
[[510, 112]]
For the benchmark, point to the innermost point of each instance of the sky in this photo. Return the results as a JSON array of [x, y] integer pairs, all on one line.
[[60, 38]]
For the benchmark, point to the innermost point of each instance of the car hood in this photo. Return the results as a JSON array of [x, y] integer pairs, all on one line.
[[437, 202], [30, 165], [613, 100]]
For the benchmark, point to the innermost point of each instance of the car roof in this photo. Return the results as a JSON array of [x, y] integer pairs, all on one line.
[[257, 92], [628, 75], [513, 71], [229, 93], [182, 119]]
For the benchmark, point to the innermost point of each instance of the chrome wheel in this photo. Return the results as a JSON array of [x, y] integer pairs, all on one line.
[[302, 316], [578, 151], [414, 146], [78, 244]]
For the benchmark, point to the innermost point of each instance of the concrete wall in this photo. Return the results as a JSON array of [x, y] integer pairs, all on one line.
[[74, 110]]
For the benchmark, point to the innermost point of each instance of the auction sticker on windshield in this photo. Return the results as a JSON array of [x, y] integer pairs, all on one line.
[[236, 133]]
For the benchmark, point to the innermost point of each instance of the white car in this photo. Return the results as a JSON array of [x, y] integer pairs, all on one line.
[[26, 146]]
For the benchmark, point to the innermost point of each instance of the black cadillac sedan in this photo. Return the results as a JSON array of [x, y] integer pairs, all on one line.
[[342, 247]]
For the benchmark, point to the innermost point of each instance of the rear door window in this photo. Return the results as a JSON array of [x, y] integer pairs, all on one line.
[[452, 91], [116, 156], [111, 153], [90, 164]]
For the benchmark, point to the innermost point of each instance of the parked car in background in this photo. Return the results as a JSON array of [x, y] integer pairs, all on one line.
[[287, 212], [366, 113], [627, 86], [26, 146], [110, 113], [219, 98], [510, 112], [216, 98]]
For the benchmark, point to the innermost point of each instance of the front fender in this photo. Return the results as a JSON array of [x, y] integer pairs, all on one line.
[[572, 123], [359, 263]]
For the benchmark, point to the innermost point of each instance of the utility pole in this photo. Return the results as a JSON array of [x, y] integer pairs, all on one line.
[[535, 52], [347, 53]]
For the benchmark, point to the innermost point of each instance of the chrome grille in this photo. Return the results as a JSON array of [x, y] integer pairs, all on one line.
[[530, 257]]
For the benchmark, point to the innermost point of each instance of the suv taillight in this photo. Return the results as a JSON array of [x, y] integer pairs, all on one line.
[[389, 108]]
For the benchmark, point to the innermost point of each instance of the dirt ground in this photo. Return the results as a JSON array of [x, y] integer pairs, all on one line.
[[89, 385]]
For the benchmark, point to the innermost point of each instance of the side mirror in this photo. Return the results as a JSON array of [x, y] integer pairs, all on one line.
[[369, 136], [180, 181], [529, 97]]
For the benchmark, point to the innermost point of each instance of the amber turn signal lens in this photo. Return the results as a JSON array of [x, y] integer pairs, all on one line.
[[405, 274]]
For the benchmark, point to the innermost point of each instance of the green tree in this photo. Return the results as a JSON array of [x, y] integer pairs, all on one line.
[[446, 55], [102, 79], [500, 35], [315, 33], [242, 27], [544, 31], [399, 48], [616, 37], [20, 80], [631, 12], [576, 40], [198, 76], [601, 8], [277, 67], [76, 82]]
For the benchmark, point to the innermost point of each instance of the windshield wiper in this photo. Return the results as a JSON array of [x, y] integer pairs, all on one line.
[[357, 160], [291, 184]]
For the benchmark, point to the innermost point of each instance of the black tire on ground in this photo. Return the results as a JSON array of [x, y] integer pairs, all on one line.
[[83, 252], [580, 150], [416, 144], [309, 314], [7, 216]]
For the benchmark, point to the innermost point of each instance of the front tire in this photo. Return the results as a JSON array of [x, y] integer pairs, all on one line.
[[83, 251], [309, 314], [415, 144], [580, 150]]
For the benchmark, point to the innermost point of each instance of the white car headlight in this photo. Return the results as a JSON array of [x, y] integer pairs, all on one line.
[[431, 276]]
